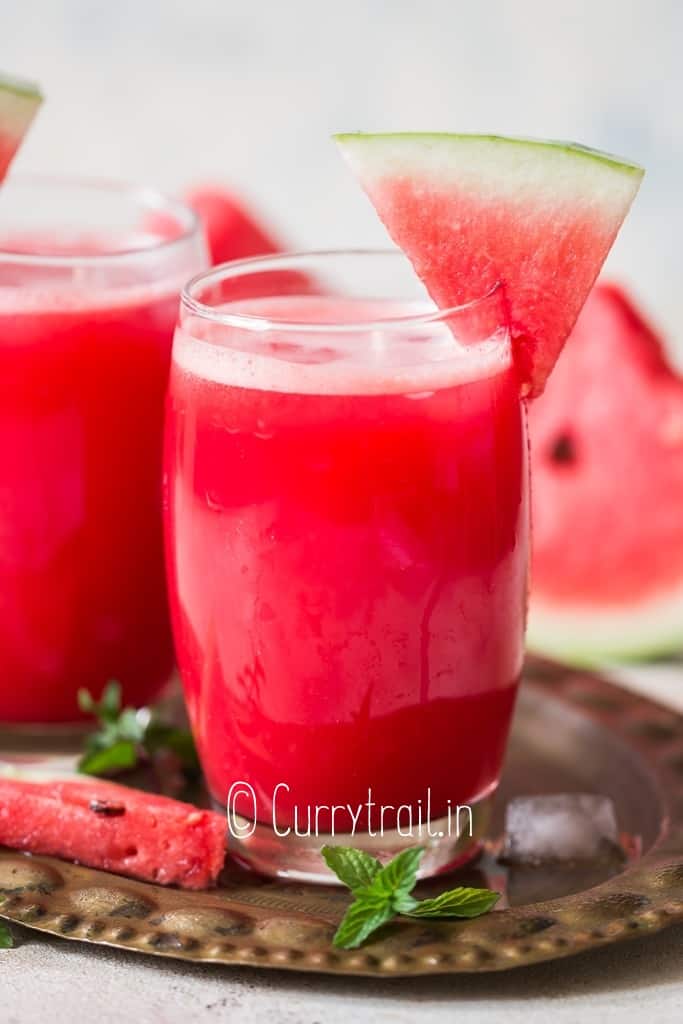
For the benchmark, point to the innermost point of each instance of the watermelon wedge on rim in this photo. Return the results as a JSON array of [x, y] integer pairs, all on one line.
[[473, 210], [19, 102]]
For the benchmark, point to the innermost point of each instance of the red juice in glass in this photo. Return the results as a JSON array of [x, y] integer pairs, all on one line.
[[88, 298], [347, 517]]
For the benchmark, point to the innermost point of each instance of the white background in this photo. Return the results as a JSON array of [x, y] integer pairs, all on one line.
[[247, 92]]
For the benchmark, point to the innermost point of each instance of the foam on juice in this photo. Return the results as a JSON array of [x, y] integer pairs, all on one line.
[[374, 347], [64, 274]]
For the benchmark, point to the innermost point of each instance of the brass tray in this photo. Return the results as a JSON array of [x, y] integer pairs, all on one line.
[[573, 731]]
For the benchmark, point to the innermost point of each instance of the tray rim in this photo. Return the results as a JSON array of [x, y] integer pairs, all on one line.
[[645, 898]]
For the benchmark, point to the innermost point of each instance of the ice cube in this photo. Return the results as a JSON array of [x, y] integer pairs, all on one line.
[[559, 827]]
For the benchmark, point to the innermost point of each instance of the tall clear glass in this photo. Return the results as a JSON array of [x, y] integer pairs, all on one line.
[[347, 540], [89, 282]]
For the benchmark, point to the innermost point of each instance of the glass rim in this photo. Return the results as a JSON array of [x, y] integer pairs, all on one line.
[[144, 195], [260, 323]]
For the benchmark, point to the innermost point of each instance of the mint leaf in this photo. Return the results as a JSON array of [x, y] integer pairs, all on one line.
[[110, 702], [6, 940], [461, 902], [363, 917], [109, 760], [86, 702], [109, 705], [355, 868], [404, 903], [398, 878], [131, 725]]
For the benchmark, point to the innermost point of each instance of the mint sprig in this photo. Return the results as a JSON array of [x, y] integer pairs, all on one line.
[[382, 892], [6, 940], [128, 736]]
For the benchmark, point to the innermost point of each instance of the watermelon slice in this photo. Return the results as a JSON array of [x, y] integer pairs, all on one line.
[[112, 827], [232, 232], [472, 210], [19, 102], [607, 492]]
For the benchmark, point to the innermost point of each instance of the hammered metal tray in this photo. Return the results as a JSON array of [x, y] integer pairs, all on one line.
[[573, 732]]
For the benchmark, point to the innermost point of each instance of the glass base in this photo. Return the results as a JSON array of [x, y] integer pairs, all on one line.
[[449, 842]]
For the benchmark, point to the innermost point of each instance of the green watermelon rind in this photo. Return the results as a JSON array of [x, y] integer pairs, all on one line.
[[570, 148], [19, 103], [20, 87], [592, 634]]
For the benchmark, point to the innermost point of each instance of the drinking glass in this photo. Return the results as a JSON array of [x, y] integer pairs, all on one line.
[[89, 282], [346, 506]]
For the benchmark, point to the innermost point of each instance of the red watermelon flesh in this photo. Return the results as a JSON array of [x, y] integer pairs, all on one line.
[[470, 211], [19, 102], [607, 491], [232, 231], [114, 828]]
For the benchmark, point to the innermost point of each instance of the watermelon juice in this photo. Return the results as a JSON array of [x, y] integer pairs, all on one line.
[[87, 303], [347, 546]]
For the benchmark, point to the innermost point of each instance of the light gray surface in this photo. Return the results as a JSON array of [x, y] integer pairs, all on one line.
[[59, 982]]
